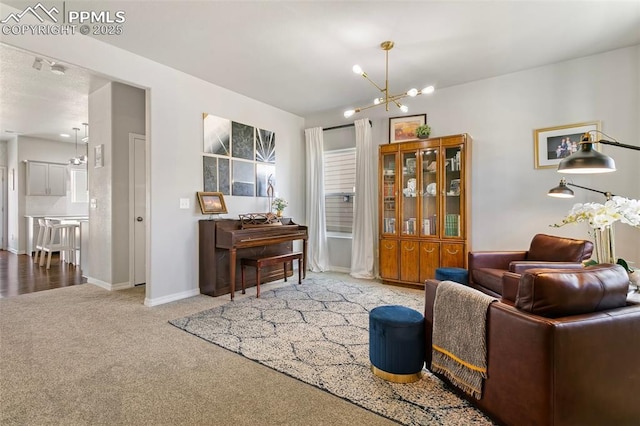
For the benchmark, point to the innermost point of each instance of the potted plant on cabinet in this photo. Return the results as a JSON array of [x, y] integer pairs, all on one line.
[[423, 131]]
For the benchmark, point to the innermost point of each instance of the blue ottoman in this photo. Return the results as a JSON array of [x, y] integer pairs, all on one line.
[[396, 343], [457, 275]]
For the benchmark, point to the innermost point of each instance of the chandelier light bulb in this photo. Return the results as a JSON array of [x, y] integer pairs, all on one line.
[[404, 108], [357, 69], [412, 92], [349, 113], [427, 90], [377, 101]]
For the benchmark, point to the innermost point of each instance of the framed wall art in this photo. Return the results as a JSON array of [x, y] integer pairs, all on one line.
[[404, 128], [211, 202], [552, 144]]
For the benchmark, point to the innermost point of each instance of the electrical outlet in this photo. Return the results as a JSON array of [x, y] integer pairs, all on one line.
[[184, 203]]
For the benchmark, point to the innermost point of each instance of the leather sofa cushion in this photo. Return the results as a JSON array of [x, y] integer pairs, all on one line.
[[489, 277], [556, 249], [556, 293]]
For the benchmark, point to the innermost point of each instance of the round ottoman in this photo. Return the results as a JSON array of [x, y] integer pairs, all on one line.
[[458, 275], [396, 343]]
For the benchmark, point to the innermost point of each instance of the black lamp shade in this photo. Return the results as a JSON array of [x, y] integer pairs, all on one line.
[[587, 160], [561, 191]]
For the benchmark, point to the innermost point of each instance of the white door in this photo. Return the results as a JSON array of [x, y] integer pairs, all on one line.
[[137, 198]]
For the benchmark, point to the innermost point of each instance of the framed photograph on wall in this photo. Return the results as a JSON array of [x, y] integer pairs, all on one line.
[[552, 144], [211, 203], [404, 128]]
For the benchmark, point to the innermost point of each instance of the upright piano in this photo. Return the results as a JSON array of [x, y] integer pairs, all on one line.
[[223, 242]]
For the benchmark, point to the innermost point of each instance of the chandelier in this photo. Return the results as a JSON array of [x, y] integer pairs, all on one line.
[[386, 99]]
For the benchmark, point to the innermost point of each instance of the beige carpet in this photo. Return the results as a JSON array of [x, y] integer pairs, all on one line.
[[84, 356]]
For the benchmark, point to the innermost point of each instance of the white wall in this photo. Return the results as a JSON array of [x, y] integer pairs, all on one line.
[[509, 201], [175, 103]]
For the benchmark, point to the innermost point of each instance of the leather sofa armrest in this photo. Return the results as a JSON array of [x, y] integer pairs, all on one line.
[[519, 267], [494, 259], [510, 282]]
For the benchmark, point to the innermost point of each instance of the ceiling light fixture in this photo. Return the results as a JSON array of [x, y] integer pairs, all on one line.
[[76, 161], [588, 160], [54, 67], [86, 135], [58, 69], [386, 99]]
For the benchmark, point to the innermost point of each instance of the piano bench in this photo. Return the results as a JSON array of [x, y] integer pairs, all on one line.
[[259, 262]]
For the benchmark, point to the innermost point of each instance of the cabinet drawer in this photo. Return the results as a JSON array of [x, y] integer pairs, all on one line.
[[429, 260], [452, 255], [410, 261], [389, 259]]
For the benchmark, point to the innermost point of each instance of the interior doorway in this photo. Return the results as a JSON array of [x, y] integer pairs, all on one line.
[[138, 207], [3, 207]]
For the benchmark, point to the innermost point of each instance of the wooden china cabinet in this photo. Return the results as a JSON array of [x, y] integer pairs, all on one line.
[[424, 207]]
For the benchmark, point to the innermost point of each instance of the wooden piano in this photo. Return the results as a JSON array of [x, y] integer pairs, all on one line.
[[223, 243]]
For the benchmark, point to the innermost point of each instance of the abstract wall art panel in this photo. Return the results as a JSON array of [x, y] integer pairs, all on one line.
[[243, 182], [242, 143], [224, 176], [217, 133], [264, 172], [210, 174], [265, 146]]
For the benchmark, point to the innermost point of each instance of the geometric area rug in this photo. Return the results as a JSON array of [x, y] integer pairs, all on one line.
[[318, 332]]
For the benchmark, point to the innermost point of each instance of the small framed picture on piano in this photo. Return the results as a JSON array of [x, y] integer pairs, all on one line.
[[211, 203]]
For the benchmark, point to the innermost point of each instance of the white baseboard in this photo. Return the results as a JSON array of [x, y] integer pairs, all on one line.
[[14, 251], [108, 286], [171, 297]]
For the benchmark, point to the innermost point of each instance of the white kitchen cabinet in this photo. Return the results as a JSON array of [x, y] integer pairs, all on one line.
[[46, 179]]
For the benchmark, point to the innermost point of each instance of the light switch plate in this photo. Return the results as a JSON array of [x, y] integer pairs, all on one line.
[[184, 203], [94, 203]]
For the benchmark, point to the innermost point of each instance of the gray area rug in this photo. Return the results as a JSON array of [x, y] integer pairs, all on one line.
[[318, 332]]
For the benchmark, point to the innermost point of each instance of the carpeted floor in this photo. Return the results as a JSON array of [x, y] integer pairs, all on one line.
[[82, 355], [318, 332]]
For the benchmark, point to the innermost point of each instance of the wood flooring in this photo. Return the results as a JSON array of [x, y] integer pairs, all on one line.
[[20, 275]]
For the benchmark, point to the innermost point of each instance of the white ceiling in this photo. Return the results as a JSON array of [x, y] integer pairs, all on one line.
[[298, 55]]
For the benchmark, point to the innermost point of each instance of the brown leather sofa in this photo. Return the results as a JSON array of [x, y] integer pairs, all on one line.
[[487, 268], [565, 351]]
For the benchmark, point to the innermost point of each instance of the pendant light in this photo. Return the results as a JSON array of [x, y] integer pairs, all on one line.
[[76, 161]]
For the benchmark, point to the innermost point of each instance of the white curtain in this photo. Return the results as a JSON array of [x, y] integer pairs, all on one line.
[[318, 254], [364, 245]]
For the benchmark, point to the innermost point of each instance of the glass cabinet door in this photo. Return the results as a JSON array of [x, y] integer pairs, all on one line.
[[389, 194], [409, 210], [453, 192], [429, 185]]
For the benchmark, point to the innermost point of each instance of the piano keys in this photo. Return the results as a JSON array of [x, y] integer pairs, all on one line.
[[223, 243]]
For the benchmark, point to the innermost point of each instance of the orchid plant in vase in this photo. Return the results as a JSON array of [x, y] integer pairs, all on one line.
[[601, 218]]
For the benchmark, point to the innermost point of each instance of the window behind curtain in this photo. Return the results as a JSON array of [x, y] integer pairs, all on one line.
[[339, 189]]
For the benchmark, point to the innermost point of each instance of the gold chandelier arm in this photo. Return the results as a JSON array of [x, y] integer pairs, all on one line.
[[364, 74]]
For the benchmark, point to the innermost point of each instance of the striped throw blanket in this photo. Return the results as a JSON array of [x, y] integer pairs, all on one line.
[[459, 335]]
